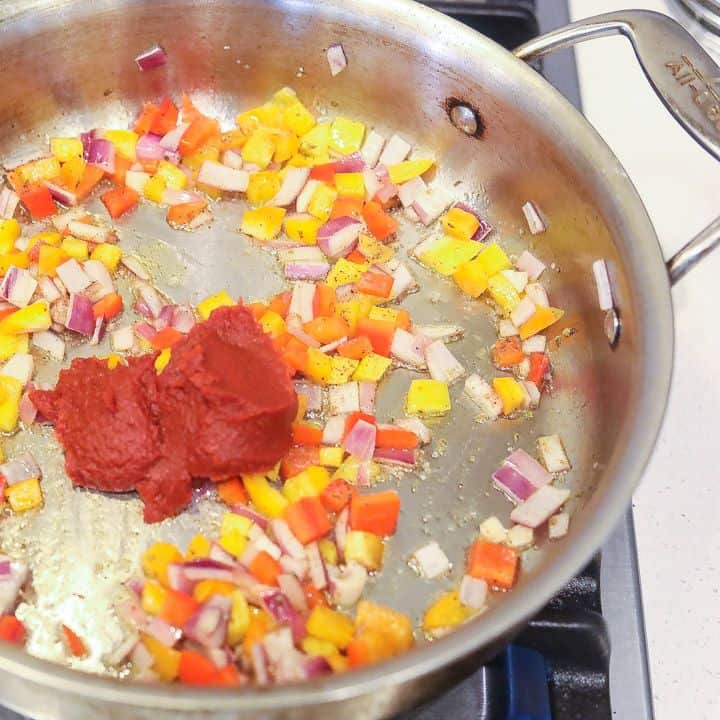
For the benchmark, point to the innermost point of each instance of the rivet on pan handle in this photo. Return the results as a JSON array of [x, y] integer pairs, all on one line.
[[683, 75]]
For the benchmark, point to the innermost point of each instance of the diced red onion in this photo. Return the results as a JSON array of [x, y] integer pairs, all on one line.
[[350, 163], [535, 343], [122, 338], [533, 217], [80, 316], [259, 663], [9, 201], [306, 270], [336, 59], [150, 297], [208, 569], [529, 467], [183, 318], [141, 659], [602, 283], [144, 330], [532, 393], [118, 654], [312, 393], [430, 204], [171, 139], [101, 153], [285, 538], [539, 506], [332, 346], [61, 194], [524, 310], [222, 177], [264, 544], [315, 666], [558, 525], [371, 148], [74, 278], [530, 264], [334, 429], [148, 147], [403, 281], [473, 592], [442, 364], [538, 294], [150, 59], [483, 395], [344, 398], [506, 328], [408, 191], [10, 585], [208, 624], [301, 301], [517, 278], [62, 220], [316, 566], [293, 182], [232, 159], [26, 408], [411, 215], [363, 474], [366, 396], [164, 318], [292, 589], [484, 229], [372, 184], [18, 286], [406, 349], [172, 196], [395, 151], [343, 293], [218, 555], [99, 273], [513, 483], [260, 520], [347, 583], [20, 366], [431, 560], [446, 333], [294, 327], [282, 610], [360, 441], [135, 266], [341, 530], [19, 469], [553, 454], [388, 190], [405, 457], [178, 579], [296, 566], [85, 231], [303, 199], [417, 426], [337, 237], [86, 139]]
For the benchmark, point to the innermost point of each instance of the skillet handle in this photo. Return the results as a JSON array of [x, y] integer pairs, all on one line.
[[683, 75]]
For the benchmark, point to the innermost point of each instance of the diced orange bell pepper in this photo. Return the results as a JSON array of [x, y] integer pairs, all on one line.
[[119, 200], [306, 434], [324, 172], [375, 283], [356, 349], [122, 165], [315, 598], [347, 207], [337, 495], [227, 676], [358, 653], [539, 366], [494, 563], [308, 519], [327, 329], [280, 303], [108, 307], [379, 223], [178, 607], [165, 119], [265, 568], [91, 176], [508, 352], [257, 629], [196, 669], [257, 309], [183, 213], [74, 643], [12, 630], [298, 459], [233, 492], [38, 201], [379, 332], [376, 513], [166, 338], [295, 354], [143, 124], [398, 438], [324, 300], [356, 257], [200, 131]]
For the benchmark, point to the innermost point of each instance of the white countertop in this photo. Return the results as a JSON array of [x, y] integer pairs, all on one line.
[[676, 508]]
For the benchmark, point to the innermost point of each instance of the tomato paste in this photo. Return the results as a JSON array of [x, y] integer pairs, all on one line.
[[222, 406]]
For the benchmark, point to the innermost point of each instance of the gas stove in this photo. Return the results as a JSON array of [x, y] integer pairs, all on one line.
[[584, 656]]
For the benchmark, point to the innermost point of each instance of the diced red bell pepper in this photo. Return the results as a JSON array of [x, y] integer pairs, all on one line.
[[91, 176], [119, 200], [298, 459], [494, 563], [165, 119], [539, 367], [108, 307], [265, 568], [38, 201], [337, 495], [375, 283], [280, 303], [379, 223], [178, 607], [196, 669], [306, 434], [233, 492], [397, 438], [74, 643], [379, 332], [323, 301], [166, 338], [12, 630], [308, 519], [376, 513], [324, 172]]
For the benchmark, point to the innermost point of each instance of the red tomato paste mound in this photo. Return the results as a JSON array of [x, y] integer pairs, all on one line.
[[222, 406]]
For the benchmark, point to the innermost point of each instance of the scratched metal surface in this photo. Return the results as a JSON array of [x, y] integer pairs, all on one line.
[[83, 545]]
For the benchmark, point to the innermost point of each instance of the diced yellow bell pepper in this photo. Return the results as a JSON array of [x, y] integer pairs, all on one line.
[[471, 278], [428, 397], [166, 661], [162, 360], [266, 499], [321, 202], [330, 625], [300, 486], [319, 366], [154, 188], [328, 550], [10, 393], [392, 629], [232, 140], [503, 292], [71, 171], [348, 470], [331, 456], [205, 589], [371, 368], [219, 299], [9, 233], [239, 618], [459, 223], [299, 160], [12, 344], [349, 311], [175, 178], [272, 324], [264, 223], [25, 495], [152, 598], [17, 258], [285, 97], [49, 237], [49, 258], [113, 360], [543, 318], [32, 318], [212, 192], [198, 547], [299, 119], [344, 272], [269, 114], [124, 142], [446, 612], [365, 548], [350, 184], [373, 250], [263, 186], [316, 142], [315, 646], [387, 314], [35, 172], [342, 369], [66, 148], [156, 559], [234, 530], [404, 171], [108, 254], [259, 147], [303, 229], [511, 393], [207, 152], [492, 259], [346, 135], [447, 254], [75, 248], [286, 145]]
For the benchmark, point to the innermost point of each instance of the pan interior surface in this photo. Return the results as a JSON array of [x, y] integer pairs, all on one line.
[[68, 67]]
